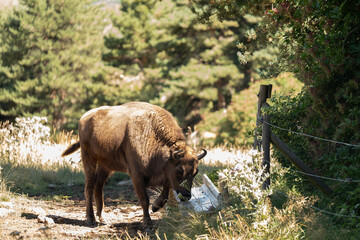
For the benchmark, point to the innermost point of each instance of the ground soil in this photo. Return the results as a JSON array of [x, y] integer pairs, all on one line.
[[65, 218]]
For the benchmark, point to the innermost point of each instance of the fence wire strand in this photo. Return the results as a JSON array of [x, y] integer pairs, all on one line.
[[308, 135], [331, 213], [346, 180]]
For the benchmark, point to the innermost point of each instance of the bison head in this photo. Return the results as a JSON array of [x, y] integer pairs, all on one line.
[[185, 166], [187, 163]]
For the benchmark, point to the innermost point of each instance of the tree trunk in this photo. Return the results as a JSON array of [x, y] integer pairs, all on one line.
[[221, 103]]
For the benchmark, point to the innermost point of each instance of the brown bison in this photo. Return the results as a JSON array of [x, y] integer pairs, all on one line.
[[137, 138]]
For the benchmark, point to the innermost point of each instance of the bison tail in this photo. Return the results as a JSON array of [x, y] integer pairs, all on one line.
[[72, 148]]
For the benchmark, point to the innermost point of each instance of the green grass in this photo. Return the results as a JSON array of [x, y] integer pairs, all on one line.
[[42, 180], [51, 182]]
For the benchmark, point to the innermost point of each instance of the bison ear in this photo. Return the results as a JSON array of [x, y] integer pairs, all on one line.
[[177, 154], [201, 155]]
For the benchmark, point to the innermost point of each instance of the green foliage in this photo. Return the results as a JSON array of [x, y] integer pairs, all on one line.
[[235, 125], [186, 66], [327, 159], [214, 176], [48, 55], [130, 50], [206, 73], [50, 64], [319, 41], [323, 41]]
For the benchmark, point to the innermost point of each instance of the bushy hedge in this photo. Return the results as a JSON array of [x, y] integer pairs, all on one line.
[[327, 159]]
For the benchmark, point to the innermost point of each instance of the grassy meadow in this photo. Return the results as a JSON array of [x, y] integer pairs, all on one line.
[[31, 167]]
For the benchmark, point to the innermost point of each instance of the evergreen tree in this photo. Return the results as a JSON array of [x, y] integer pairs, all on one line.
[[50, 49], [187, 66], [131, 47], [202, 71]]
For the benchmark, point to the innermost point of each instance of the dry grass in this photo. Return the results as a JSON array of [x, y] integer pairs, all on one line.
[[28, 141], [31, 160], [252, 214]]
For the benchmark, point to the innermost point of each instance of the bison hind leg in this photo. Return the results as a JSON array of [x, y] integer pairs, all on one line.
[[102, 175], [89, 164]]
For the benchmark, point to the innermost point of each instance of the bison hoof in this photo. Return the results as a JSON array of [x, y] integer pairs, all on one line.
[[147, 225], [91, 221], [157, 204], [155, 208]]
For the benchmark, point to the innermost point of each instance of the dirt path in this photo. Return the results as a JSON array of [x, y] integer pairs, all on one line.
[[29, 218]]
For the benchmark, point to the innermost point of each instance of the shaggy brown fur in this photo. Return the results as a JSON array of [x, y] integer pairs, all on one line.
[[137, 138]]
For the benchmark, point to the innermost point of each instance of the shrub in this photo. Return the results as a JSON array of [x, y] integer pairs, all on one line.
[[327, 159]]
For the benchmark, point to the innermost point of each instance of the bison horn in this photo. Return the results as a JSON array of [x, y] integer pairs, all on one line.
[[203, 154]]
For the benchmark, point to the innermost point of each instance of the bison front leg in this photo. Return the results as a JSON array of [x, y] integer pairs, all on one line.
[[162, 199], [140, 189]]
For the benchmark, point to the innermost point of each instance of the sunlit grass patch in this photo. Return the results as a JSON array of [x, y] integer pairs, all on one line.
[[4, 194], [226, 156], [37, 180], [218, 158], [252, 213], [31, 160]]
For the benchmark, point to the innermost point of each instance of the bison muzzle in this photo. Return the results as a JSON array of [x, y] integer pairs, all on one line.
[[137, 138]]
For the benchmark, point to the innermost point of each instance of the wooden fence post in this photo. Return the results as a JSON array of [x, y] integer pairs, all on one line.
[[265, 142], [264, 93], [224, 192]]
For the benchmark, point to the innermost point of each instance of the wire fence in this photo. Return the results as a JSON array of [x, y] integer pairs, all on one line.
[[333, 214], [198, 182], [346, 180]]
